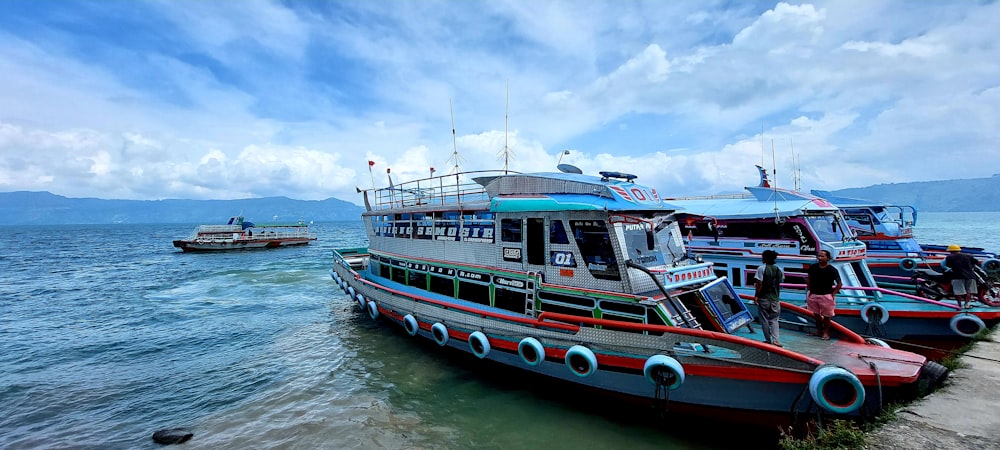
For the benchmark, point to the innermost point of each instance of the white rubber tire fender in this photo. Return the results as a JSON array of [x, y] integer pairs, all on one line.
[[908, 264], [874, 308], [410, 325], [531, 351], [658, 364], [373, 310], [479, 344], [581, 361], [440, 333], [836, 389], [966, 325]]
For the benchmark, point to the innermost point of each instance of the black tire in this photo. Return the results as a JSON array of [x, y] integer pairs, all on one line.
[[990, 295], [929, 289]]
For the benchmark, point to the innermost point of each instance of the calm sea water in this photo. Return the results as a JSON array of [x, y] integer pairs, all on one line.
[[107, 334]]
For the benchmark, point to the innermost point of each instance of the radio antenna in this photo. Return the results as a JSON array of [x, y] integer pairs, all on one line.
[[454, 140]]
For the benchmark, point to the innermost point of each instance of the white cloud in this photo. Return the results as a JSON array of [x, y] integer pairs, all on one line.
[[220, 100]]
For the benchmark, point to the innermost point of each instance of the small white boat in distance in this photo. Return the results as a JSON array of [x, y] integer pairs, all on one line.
[[239, 234]]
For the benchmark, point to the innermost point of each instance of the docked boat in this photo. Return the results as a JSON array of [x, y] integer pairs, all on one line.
[[585, 280], [732, 231], [240, 234], [894, 253]]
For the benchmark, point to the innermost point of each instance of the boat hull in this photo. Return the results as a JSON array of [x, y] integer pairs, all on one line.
[[195, 246], [769, 386]]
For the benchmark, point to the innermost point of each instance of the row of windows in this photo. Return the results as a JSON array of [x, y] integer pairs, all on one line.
[[508, 293]]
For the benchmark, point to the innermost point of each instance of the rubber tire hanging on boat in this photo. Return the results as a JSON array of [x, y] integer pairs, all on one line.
[[664, 363], [531, 351], [866, 312], [479, 344], [959, 324], [440, 333], [362, 303], [829, 380], [991, 265], [581, 361], [908, 264], [350, 290], [410, 325], [373, 310]]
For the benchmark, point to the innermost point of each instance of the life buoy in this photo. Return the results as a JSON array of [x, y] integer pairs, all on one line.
[[373, 310], [666, 367], [908, 264], [966, 325], [362, 303], [479, 344], [836, 389], [531, 351], [581, 361], [440, 333], [875, 311], [876, 341], [991, 265], [410, 324]]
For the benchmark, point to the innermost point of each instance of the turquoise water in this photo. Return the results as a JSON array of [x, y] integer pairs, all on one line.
[[107, 334]]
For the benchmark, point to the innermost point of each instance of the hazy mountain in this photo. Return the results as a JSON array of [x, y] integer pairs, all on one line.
[[34, 208], [974, 194]]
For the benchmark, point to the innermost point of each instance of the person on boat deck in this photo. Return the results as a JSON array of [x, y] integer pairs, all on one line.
[[822, 285], [768, 288], [963, 283]]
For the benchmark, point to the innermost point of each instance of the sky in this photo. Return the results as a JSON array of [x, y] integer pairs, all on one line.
[[145, 100]]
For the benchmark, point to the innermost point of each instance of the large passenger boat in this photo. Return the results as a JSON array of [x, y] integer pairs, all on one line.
[[887, 231], [240, 234], [732, 232], [585, 280], [897, 259]]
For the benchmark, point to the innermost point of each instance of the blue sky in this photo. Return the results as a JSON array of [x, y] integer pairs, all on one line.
[[236, 99]]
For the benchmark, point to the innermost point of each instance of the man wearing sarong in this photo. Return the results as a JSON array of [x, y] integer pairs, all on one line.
[[822, 285]]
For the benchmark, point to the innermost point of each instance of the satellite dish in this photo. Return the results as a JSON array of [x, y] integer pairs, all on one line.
[[569, 168]]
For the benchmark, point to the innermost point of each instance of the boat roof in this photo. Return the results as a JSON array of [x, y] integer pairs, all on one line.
[[551, 191], [759, 201], [850, 202]]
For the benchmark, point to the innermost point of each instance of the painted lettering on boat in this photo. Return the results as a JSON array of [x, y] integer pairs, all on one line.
[[509, 282], [563, 259]]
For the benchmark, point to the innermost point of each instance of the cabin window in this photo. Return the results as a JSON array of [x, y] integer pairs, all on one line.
[[595, 246], [442, 285], [509, 299], [446, 226], [417, 279], [510, 230], [424, 226], [383, 270], [474, 292], [478, 227], [827, 228], [536, 241], [640, 244], [581, 302], [399, 274], [557, 233], [564, 309]]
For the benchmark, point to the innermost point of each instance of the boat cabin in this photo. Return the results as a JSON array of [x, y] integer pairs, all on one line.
[[561, 242]]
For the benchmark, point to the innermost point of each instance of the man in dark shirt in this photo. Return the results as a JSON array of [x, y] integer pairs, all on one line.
[[822, 284], [963, 281]]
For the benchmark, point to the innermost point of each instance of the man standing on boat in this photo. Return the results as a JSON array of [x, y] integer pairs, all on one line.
[[963, 282], [768, 284], [822, 285]]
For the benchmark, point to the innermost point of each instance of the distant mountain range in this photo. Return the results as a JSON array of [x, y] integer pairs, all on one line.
[[969, 195], [34, 208]]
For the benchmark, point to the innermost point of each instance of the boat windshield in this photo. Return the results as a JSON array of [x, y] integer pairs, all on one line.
[[828, 228]]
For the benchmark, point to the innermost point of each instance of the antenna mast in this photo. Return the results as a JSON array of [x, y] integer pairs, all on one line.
[[507, 154], [454, 140]]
